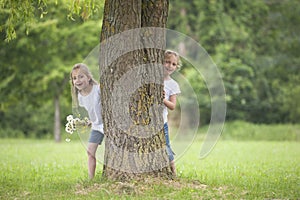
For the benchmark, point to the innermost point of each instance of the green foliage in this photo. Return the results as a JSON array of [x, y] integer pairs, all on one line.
[[25, 12], [16, 12], [255, 44], [22, 120], [243, 131], [291, 94], [35, 69]]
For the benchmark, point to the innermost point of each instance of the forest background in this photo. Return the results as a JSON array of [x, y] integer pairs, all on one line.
[[255, 45]]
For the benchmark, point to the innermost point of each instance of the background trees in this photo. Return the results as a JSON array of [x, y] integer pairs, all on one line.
[[255, 44], [35, 68]]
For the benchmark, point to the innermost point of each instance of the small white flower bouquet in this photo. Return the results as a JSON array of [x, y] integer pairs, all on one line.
[[74, 124]]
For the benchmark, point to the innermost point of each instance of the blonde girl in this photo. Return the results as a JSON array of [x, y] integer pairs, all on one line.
[[171, 90], [86, 93]]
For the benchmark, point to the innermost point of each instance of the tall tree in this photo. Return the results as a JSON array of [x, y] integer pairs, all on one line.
[[34, 64], [133, 147]]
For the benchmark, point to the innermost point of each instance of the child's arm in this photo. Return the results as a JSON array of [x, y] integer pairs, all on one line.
[[171, 104]]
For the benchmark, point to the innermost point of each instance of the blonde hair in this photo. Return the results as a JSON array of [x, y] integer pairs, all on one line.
[[168, 53], [74, 91]]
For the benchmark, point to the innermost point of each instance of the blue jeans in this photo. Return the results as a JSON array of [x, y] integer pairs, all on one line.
[[169, 150]]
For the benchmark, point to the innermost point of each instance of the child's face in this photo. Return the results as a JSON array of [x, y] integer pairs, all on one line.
[[170, 64], [80, 80]]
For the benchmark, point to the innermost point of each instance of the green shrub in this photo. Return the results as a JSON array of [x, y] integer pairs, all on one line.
[[240, 130], [11, 133]]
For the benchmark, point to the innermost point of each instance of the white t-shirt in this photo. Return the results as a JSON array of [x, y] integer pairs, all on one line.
[[92, 104], [171, 87]]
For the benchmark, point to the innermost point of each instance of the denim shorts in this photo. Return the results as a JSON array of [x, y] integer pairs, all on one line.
[[169, 150], [96, 137]]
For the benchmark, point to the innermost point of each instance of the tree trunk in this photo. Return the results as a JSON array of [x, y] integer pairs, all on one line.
[[131, 81], [57, 135]]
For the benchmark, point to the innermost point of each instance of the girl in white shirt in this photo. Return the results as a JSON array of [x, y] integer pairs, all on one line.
[[171, 89], [86, 93]]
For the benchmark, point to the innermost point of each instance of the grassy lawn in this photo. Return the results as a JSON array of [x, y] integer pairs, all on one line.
[[42, 169]]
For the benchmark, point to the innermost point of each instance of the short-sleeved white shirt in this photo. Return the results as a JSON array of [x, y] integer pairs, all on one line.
[[171, 87], [92, 104]]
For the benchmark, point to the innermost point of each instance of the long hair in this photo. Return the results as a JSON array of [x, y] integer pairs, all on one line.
[[74, 91]]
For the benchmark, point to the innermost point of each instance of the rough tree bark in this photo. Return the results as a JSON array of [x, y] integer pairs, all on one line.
[[131, 81]]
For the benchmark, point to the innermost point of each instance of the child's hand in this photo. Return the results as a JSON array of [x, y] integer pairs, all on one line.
[[89, 123]]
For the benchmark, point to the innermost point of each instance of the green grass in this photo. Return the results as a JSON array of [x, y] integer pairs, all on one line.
[[252, 169], [42, 169]]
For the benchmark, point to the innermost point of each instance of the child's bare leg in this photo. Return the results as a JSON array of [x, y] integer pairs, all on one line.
[[173, 168], [91, 151]]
